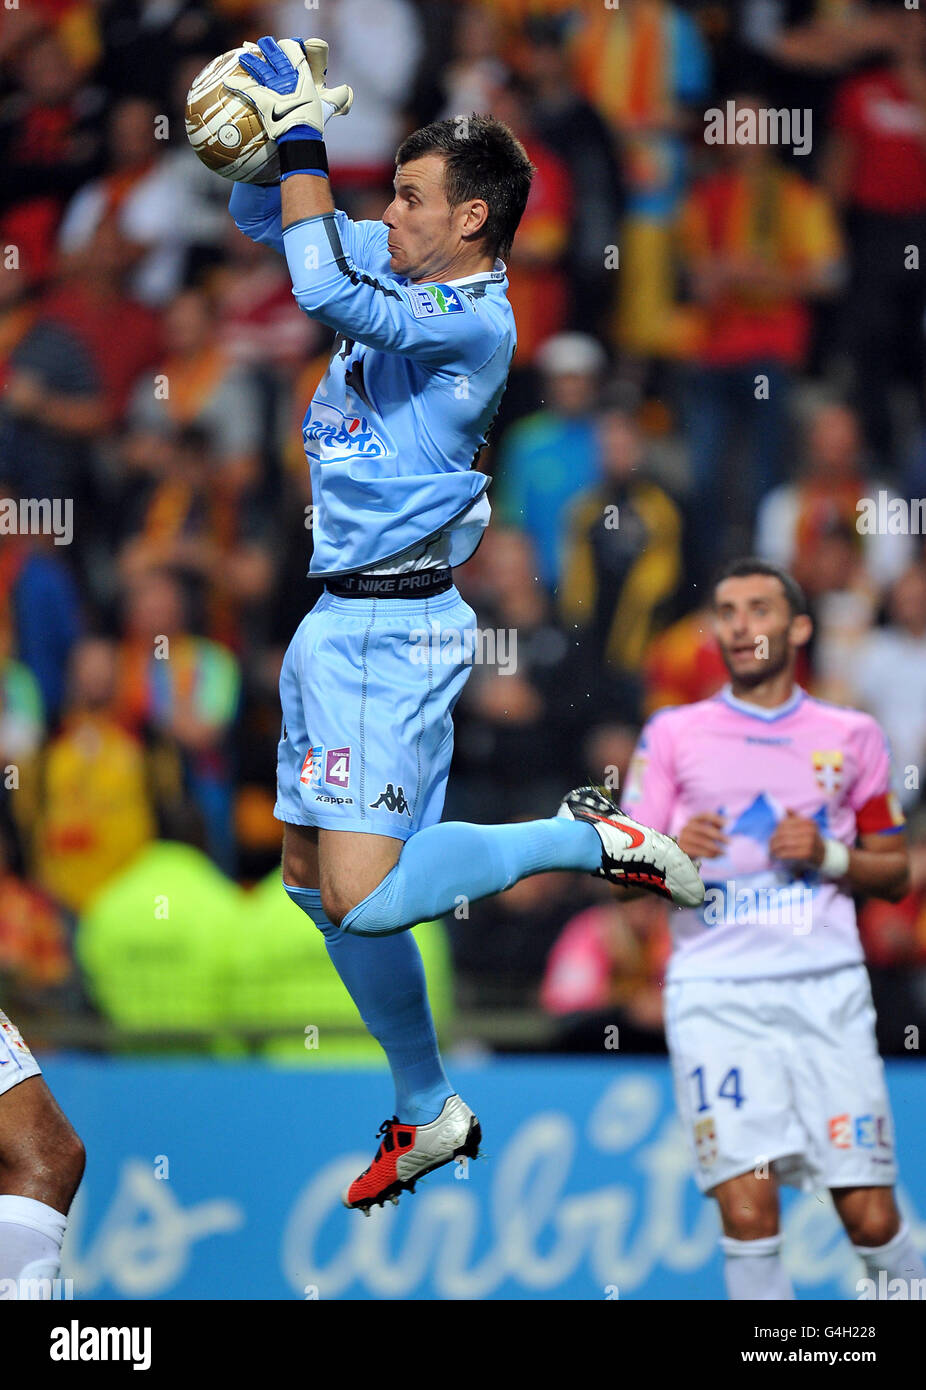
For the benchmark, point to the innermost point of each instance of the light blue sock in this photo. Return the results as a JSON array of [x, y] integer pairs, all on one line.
[[386, 981], [447, 863]]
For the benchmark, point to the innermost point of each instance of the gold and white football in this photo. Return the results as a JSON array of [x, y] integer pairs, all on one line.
[[225, 131]]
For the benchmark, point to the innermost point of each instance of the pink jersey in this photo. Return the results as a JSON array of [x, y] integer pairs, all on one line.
[[751, 765]]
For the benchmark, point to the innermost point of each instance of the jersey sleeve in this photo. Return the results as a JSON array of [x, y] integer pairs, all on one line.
[[434, 324], [652, 790], [257, 212], [877, 809]]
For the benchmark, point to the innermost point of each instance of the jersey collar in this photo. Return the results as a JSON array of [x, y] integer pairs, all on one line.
[[756, 711], [498, 272]]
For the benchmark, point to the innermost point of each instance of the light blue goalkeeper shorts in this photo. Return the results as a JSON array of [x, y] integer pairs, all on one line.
[[368, 688]]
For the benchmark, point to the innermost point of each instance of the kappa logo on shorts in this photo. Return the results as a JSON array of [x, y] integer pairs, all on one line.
[[311, 774], [391, 800], [705, 1138]]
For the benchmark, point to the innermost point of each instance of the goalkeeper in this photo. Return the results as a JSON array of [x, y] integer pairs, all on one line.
[[424, 340]]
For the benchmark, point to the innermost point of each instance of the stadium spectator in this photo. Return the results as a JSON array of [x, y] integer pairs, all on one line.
[[759, 244], [536, 274], [606, 753], [181, 689], [843, 601], [36, 960], [51, 411], [520, 710], [623, 563], [876, 173], [40, 604], [121, 335], [574, 131], [793, 518], [547, 457], [22, 716], [889, 680], [682, 664], [186, 519], [644, 67], [469, 81], [798, 50], [603, 980], [199, 384], [500, 944], [894, 938], [49, 143], [260, 324], [94, 809], [131, 152], [145, 41]]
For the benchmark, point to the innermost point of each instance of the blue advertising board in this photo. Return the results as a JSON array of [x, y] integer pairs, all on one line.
[[222, 1180]]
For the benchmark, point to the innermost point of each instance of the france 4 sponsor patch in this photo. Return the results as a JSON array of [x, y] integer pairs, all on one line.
[[327, 767], [430, 300]]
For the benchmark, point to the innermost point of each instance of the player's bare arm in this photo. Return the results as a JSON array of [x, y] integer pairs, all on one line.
[[879, 866]]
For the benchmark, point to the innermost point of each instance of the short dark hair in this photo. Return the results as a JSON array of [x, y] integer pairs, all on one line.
[[482, 159], [751, 564]]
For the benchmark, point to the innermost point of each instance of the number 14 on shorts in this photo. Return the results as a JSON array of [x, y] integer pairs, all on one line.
[[730, 1088]]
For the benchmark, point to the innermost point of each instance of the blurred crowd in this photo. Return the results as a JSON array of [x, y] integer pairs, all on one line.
[[720, 350]]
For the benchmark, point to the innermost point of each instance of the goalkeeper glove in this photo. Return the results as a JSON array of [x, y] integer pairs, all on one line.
[[286, 88]]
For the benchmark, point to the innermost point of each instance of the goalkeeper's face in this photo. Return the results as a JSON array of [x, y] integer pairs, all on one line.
[[755, 629], [427, 237]]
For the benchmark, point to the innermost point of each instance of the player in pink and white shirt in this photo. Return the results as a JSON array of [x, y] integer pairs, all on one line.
[[787, 802]]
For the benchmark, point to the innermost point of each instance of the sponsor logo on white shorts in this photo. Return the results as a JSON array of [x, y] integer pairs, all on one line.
[[705, 1138], [861, 1132]]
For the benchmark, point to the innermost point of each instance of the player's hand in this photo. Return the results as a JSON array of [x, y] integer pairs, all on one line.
[[281, 87], [336, 101], [797, 840], [703, 837]]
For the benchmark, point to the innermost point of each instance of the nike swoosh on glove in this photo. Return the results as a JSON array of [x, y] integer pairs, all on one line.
[[281, 87]]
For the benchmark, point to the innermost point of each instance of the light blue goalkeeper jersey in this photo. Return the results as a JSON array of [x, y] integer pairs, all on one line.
[[415, 380]]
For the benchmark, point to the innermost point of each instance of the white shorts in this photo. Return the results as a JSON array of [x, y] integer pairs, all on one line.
[[782, 1075], [16, 1061]]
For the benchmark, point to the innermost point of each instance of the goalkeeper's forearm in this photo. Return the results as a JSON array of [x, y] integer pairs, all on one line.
[[305, 195]]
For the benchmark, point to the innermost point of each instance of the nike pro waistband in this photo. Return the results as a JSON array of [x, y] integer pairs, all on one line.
[[413, 584]]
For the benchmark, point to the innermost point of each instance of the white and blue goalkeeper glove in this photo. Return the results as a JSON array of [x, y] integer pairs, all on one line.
[[286, 88]]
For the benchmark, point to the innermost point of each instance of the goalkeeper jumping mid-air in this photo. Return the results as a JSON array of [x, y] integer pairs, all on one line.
[[424, 340]]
